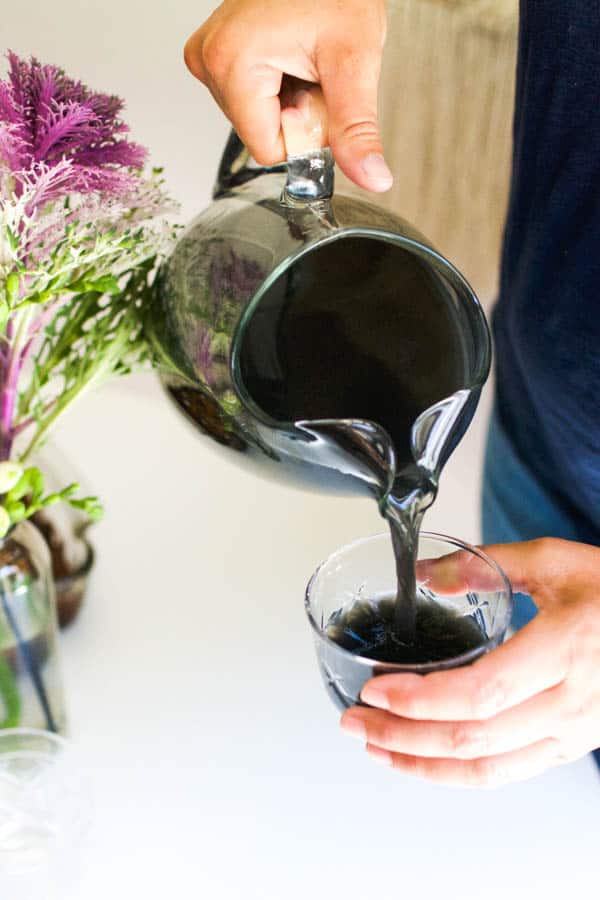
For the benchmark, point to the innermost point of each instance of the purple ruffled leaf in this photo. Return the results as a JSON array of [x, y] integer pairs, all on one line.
[[47, 117]]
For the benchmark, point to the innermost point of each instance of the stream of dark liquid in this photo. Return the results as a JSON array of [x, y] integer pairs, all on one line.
[[361, 332]]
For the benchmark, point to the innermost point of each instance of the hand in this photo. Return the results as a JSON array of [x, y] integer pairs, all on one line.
[[532, 703], [244, 48]]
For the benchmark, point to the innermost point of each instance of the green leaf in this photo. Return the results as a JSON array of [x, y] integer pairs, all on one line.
[[91, 506], [69, 490], [16, 511], [105, 284], [12, 239], [13, 284], [21, 488], [36, 480]]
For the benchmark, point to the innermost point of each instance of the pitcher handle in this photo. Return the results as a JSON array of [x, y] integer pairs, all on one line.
[[310, 166], [237, 166]]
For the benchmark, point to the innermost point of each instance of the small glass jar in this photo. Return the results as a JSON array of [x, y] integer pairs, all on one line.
[[30, 684]]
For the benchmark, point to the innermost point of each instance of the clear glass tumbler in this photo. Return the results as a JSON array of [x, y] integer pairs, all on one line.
[[450, 574], [44, 813]]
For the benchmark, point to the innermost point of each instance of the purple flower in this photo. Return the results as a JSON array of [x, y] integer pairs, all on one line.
[[48, 118]]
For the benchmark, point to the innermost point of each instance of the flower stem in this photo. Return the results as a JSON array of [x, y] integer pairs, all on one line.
[[44, 426], [11, 380]]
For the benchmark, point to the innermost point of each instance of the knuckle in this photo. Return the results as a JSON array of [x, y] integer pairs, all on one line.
[[409, 765], [215, 55], [383, 732], [488, 697], [486, 772], [577, 708], [363, 128], [546, 546], [545, 552], [192, 59], [468, 740]]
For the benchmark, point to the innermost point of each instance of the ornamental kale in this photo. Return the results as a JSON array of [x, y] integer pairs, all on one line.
[[81, 232]]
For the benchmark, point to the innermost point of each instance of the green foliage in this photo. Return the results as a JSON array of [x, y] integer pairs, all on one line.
[[95, 334], [28, 496]]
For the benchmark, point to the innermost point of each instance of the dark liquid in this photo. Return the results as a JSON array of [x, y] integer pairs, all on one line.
[[362, 366], [368, 628], [362, 331], [357, 329]]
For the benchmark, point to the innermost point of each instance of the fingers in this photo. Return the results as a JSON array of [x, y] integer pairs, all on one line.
[[246, 91], [525, 724], [349, 78], [458, 573], [303, 119], [540, 568], [244, 48], [514, 672], [486, 771], [548, 567], [253, 106]]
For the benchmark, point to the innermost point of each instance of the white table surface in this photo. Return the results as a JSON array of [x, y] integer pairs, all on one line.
[[217, 764]]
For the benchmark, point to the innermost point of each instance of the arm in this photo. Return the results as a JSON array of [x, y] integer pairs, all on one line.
[[246, 46]]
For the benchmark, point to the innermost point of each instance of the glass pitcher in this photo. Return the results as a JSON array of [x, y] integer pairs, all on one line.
[[281, 289]]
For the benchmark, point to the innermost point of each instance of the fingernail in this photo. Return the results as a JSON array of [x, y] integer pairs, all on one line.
[[381, 756], [375, 168], [375, 696], [353, 725]]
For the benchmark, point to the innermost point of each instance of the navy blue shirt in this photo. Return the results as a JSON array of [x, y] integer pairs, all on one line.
[[547, 320]]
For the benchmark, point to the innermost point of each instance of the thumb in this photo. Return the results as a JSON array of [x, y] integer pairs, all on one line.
[[349, 81], [524, 564]]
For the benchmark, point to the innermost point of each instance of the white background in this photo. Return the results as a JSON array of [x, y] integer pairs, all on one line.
[[217, 764]]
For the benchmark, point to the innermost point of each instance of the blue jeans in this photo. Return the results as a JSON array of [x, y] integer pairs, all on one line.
[[515, 507]]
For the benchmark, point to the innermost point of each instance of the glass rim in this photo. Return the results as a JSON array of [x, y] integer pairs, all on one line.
[[56, 741], [409, 667]]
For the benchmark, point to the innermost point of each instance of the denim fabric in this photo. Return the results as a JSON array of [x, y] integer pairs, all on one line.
[[516, 508], [547, 320]]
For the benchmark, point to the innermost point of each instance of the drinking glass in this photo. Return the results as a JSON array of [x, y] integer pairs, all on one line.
[[449, 573], [44, 812]]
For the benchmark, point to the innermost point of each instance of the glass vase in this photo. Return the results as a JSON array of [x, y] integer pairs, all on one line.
[[30, 685], [65, 530]]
